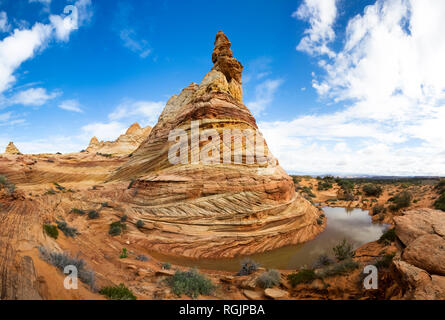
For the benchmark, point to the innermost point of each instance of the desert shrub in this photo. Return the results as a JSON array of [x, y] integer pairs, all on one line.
[[341, 268], [378, 208], [106, 155], [269, 279], [3, 180], [141, 257], [401, 200], [93, 214], [124, 218], [77, 211], [296, 180], [319, 221], [385, 261], [303, 276], [166, 266], [322, 261], [308, 191], [346, 185], [440, 187], [131, 183], [191, 283], [439, 204], [105, 205], [11, 188], [372, 190], [51, 230], [248, 266], [140, 224], [324, 185], [116, 228], [124, 253], [61, 260], [388, 236], [343, 250], [67, 230], [120, 292]]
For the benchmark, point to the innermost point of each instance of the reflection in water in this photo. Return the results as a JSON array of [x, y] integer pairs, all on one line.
[[354, 225]]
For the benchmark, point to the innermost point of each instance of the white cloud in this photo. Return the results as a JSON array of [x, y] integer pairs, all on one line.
[[138, 46], [390, 76], [32, 97], [21, 45], [264, 95], [45, 2], [321, 15], [104, 131], [147, 112], [71, 105], [4, 26]]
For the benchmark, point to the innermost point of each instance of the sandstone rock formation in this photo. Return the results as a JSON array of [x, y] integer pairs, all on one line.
[[11, 149], [125, 144], [233, 202], [422, 269]]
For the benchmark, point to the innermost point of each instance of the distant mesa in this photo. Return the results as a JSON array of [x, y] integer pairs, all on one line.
[[125, 144], [220, 209], [12, 149]]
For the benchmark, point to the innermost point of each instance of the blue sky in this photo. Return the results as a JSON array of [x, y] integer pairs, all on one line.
[[337, 86]]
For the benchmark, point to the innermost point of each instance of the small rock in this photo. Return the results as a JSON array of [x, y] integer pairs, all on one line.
[[253, 295], [275, 293]]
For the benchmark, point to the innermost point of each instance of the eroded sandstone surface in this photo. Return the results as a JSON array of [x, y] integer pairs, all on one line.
[[124, 144]]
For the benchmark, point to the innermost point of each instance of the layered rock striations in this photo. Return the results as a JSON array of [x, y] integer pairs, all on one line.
[[12, 149], [124, 144], [200, 192]]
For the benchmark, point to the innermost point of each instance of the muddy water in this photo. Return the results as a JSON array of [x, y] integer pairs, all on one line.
[[354, 225]]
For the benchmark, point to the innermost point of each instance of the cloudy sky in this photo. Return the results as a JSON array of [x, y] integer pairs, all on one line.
[[337, 86]]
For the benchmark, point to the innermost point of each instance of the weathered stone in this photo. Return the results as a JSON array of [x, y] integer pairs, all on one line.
[[253, 295], [428, 253], [12, 149], [275, 293]]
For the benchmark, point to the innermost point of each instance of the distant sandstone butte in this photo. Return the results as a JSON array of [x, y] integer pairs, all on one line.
[[125, 144], [217, 209], [11, 149]]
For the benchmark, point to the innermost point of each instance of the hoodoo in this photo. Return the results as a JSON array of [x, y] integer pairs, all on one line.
[[205, 181], [11, 149], [124, 144]]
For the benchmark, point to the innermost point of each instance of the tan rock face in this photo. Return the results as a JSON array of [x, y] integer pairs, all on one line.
[[125, 144], [422, 269], [12, 149], [216, 209]]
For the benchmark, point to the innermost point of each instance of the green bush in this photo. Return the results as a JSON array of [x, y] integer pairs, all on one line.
[[93, 214], [401, 200], [388, 236], [303, 276], [131, 183], [3, 180], [343, 250], [166, 266], [67, 230], [322, 261], [142, 257], [372, 190], [116, 228], [324, 185], [385, 261], [440, 187], [77, 211], [378, 208], [124, 218], [439, 204], [248, 266], [269, 279], [51, 230], [140, 224], [191, 283], [120, 292], [341, 268], [319, 221], [124, 253]]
